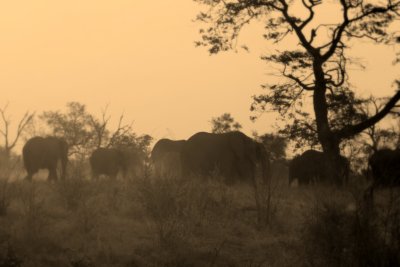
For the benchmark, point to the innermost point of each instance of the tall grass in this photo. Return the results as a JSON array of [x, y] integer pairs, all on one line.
[[363, 233], [193, 221]]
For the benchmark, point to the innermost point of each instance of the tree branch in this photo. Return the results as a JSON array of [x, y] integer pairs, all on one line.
[[355, 129]]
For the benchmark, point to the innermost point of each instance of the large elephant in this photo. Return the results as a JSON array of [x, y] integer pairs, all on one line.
[[233, 155], [44, 153], [385, 167], [111, 161], [166, 157], [311, 167]]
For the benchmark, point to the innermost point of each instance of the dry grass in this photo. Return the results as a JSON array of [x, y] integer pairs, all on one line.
[[186, 222]]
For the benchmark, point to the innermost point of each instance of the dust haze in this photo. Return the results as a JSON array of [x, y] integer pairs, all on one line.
[[200, 133]]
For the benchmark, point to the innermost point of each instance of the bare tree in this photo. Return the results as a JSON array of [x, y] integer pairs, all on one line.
[[100, 130], [5, 131]]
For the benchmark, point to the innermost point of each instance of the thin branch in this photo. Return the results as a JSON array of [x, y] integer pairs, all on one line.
[[297, 80]]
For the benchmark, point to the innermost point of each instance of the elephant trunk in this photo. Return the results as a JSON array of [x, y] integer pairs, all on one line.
[[64, 162]]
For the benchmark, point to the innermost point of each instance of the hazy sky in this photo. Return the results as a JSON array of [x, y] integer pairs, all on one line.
[[140, 58]]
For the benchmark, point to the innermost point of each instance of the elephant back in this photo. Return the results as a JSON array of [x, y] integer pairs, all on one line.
[[166, 146], [233, 154], [385, 167]]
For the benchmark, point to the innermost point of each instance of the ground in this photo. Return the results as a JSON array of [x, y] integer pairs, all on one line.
[[168, 222]]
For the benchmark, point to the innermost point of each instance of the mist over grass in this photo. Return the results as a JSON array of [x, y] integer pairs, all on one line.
[[198, 221]]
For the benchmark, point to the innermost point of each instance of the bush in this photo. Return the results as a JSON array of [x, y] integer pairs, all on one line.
[[73, 191], [338, 235], [34, 220], [177, 207], [4, 196], [8, 258]]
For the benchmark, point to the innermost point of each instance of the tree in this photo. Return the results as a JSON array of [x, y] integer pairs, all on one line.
[[10, 143], [274, 144], [376, 137], [317, 67], [224, 123], [84, 132], [75, 126]]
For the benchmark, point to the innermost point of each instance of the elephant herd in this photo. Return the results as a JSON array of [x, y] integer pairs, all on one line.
[[233, 156]]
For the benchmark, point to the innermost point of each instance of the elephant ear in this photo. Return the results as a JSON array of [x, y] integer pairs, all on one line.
[[238, 145], [261, 152]]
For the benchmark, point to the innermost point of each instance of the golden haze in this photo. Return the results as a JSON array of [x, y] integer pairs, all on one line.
[[141, 59]]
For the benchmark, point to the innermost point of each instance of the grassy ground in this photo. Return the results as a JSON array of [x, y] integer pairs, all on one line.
[[167, 222]]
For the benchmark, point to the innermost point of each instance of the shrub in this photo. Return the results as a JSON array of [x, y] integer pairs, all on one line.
[[4, 196], [176, 207], [336, 235], [32, 201], [73, 191], [8, 258]]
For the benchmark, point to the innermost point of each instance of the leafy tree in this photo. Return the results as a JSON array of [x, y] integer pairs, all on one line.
[[317, 67], [224, 123], [75, 126], [274, 144], [84, 132]]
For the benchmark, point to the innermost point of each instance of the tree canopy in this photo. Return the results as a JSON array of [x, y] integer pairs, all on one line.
[[224, 123], [315, 66], [84, 132]]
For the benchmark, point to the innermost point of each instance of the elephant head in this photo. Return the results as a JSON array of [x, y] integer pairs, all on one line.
[[111, 161], [166, 157]]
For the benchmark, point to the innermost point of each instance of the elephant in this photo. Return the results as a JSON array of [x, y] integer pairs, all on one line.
[[384, 165], [44, 153], [111, 161], [166, 157], [235, 156], [311, 167]]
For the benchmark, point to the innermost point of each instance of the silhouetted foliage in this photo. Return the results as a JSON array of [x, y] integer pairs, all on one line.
[[318, 67], [75, 126], [274, 144], [224, 123], [334, 235], [84, 132]]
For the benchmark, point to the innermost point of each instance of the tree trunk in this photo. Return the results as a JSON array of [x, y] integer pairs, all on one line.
[[329, 140]]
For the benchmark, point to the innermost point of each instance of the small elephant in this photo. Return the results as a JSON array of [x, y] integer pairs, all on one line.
[[311, 167], [108, 161], [385, 167]]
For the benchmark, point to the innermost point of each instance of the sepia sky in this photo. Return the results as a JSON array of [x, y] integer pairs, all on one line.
[[140, 59]]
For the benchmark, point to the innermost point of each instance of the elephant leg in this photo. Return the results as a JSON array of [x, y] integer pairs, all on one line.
[[30, 173], [29, 176], [52, 174]]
